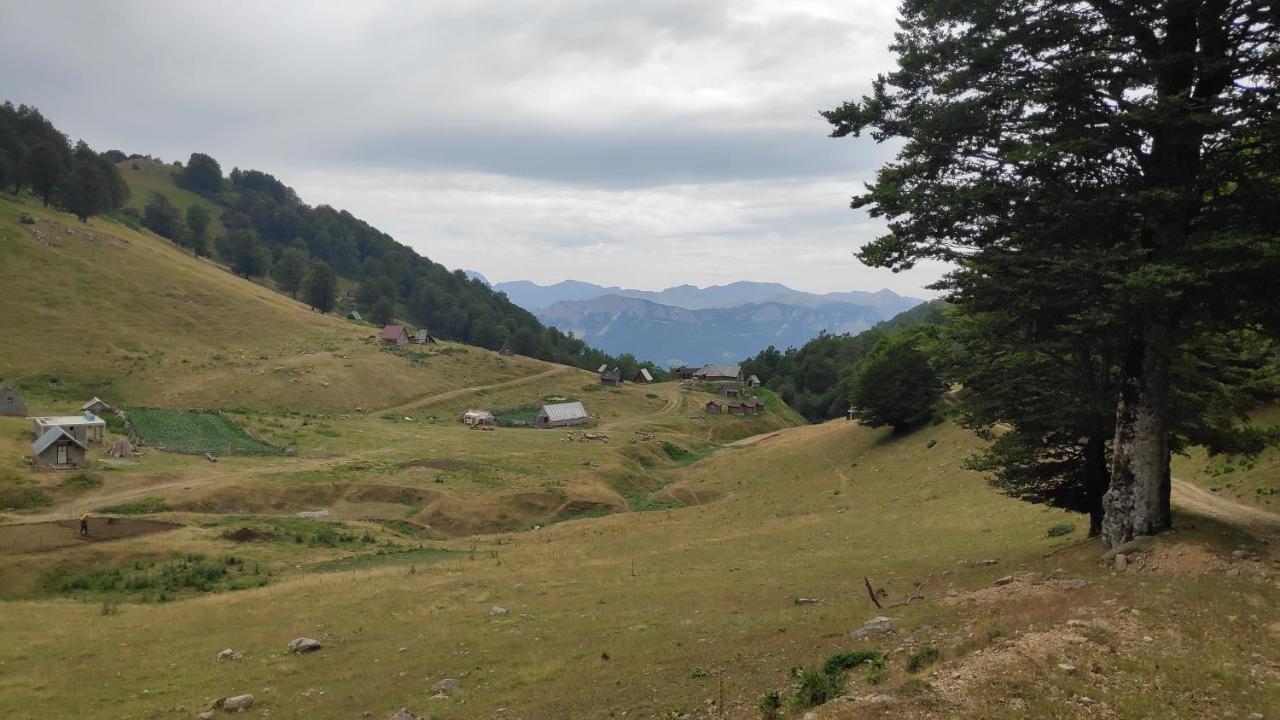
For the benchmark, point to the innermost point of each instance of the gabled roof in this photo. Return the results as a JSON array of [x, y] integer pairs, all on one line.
[[614, 374], [644, 373], [753, 379], [51, 436], [91, 403], [564, 411], [391, 332], [754, 403], [354, 315], [602, 368], [726, 371]]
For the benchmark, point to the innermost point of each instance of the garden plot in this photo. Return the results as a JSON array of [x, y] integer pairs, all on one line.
[[195, 431]]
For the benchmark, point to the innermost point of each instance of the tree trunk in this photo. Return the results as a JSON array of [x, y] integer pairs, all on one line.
[[1138, 501], [1097, 479]]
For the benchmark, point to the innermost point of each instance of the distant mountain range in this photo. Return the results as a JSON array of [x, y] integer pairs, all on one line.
[[534, 297], [691, 325]]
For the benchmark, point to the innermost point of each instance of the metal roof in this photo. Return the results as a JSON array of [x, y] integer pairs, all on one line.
[[726, 371], [51, 436], [614, 374], [91, 403], [564, 411], [644, 373], [391, 332]]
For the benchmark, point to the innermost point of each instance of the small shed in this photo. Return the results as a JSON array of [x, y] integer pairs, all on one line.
[[644, 377], [714, 372], [395, 334], [753, 406], [611, 378], [10, 404], [422, 337], [482, 418], [506, 350], [730, 391], [561, 415], [685, 372], [753, 381], [96, 406], [355, 315], [58, 448], [714, 407], [735, 408]]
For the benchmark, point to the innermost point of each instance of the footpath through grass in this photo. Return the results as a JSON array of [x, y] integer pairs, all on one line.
[[195, 431]]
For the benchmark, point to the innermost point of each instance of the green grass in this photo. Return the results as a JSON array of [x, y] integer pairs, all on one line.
[[516, 416], [156, 581], [420, 556], [194, 431], [145, 506]]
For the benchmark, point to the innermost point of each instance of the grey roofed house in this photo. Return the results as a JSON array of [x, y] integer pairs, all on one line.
[[422, 337], [84, 428], [753, 381], [611, 378], [10, 403], [95, 406], [506, 350], [644, 376], [59, 448], [561, 415], [602, 368], [713, 371]]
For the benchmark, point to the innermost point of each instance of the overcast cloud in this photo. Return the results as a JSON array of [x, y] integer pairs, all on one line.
[[644, 144]]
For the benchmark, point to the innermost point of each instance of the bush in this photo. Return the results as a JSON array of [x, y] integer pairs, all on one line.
[[917, 660], [82, 481], [1060, 529], [816, 688], [770, 705], [896, 386]]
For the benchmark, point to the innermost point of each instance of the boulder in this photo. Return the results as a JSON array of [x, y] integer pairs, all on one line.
[[230, 654], [206, 715], [446, 686], [304, 645], [1073, 584], [239, 703], [495, 610], [1121, 562], [403, 714], [1001, 582], [875, 627]]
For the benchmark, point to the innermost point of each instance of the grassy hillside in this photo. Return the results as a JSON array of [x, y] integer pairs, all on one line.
[[100, 309], [149, 177], [663, 613]]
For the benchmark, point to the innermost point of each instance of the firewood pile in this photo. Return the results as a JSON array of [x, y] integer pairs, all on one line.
[[123, 449]]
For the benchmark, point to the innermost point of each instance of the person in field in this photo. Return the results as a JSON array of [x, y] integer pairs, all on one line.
[[84, 524]]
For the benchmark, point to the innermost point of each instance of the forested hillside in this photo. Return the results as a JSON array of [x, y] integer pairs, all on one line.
[[261, 229]]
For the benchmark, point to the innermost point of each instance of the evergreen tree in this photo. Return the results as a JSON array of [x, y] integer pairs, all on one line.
[[162, 217], [1158, 118], [382, 312], [45, 168], [321, 287], [91, 186], [291, 270], [198, 221], [895, 386]]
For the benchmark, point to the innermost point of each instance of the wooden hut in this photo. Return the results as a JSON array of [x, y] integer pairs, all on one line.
[[713, 372], [422, 337], [95, 406], [395, 334], [754, 406], [714, 408], [644, 377], [611, 378], [753, 381]]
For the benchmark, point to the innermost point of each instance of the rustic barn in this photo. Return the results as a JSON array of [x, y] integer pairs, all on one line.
[[734, 408], [753, 381], [644, 377], [86, 428], [561, 415], [714, 407], [395, 334], [58, 448], [611, 378], [482, 418], [752, 407], [422, 337], [95, 406], [10, 404], [729, 391], [685, 372], [506, 350], [719, 373]]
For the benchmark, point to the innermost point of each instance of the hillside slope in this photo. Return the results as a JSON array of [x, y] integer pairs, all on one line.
[[99, 309]]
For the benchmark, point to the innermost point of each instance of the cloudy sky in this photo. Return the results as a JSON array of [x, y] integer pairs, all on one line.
[[642, 144]]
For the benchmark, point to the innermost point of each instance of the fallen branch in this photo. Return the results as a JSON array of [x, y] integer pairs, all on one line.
[[872, 592], [916, 595]]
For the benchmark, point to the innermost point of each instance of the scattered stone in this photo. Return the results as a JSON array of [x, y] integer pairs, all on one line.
[[1086, 700], [403, 714], [527, 616], [878, 698], [230, 654], [1067, 668], [1001, 582], [807, 601], [1137, 544], [810, 716], [447, 685], [1238, 554], [1121, 562], [1233, 572], [1073, 584], [313, 514], [876, 626], [304, 645], [495, 610], [239, 703], [206, 715], [990, 561]]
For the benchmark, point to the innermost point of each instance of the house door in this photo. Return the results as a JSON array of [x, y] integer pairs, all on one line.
[[62, 454]]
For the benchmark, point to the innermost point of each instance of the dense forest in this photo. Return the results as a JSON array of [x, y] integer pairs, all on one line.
[[271, 234]]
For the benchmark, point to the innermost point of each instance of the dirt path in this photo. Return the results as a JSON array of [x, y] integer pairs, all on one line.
[[452, 394], [673, 403], [1202, 502]]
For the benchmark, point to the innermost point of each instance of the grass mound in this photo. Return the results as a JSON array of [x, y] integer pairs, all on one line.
[[195, 431]]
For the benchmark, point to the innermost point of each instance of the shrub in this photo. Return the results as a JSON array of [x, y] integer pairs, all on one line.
[[1060, 529], [816, 688], [770, 705], [843, 662], [917, 660], [82, 481]]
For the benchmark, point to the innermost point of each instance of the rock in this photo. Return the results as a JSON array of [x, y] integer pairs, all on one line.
[[1238, 554], [807, 601], [206, 715], [495, 610], [990, 561], [810, 716], [304, 645], [876, 626], [1137, 544], [1073, 584], [878, 698], [239, 703], [403, 714], [1086, 700], [1121, 562], [527, 616], [446, 686], [1001, 582], [230, 654], [1067, 668], [1233, 572], [313, 514]]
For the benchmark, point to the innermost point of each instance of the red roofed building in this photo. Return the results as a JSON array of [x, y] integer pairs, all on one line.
[[395, 334]]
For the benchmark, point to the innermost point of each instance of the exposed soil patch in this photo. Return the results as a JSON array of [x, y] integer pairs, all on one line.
[[38, 537], [437, 464], [246, 534]]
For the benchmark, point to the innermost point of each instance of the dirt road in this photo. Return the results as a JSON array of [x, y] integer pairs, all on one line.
[[452, 394], [1202, 502]]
